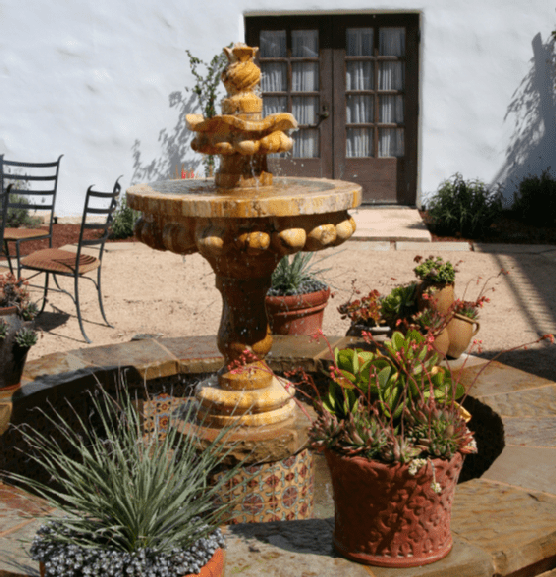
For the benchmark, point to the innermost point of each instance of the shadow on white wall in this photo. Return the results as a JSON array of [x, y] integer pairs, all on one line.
[[531, 148], [175, 141]]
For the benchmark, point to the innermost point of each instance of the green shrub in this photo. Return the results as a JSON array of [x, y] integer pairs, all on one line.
[[124, 220], [464, 207], [535, 199]]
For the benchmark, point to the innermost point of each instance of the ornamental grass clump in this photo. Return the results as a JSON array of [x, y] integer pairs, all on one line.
[[134, 504], [394, 404], [294, 276]]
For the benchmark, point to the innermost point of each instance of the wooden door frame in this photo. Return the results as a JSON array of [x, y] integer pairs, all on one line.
[[408, 180]]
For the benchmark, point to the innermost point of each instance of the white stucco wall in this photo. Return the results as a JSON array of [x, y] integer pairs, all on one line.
[[103, 83]]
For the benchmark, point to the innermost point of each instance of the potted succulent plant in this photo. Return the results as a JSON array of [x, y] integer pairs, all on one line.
[[17, 335], [437, 278], [135, 504], [394, 438], [296, 300]]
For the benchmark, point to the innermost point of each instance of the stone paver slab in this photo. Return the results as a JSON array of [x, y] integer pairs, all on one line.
[[516, 528], [539, 403], [197, 354], [437, 246], [532, 468], [290, 352], [497, 378], [532, 432], [149, 358]]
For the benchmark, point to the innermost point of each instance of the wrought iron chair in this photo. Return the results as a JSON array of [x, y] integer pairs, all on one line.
[[57, 261], [32, 186]]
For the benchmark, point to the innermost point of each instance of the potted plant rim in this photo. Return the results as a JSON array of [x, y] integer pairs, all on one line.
[[394, 438], [134, 504], [17, 334], [297, 298]]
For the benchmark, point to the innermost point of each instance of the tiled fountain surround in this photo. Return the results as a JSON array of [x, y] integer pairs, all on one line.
[[504, 522]]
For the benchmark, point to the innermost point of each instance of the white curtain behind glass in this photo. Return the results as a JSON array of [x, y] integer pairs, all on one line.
[[273, 43], [359, 76], [391, 106], [305, 78]]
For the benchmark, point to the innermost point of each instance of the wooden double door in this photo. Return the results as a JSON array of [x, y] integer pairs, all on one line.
[[351, 81]]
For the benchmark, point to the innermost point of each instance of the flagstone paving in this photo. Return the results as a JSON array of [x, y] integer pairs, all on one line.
[[503, 522]]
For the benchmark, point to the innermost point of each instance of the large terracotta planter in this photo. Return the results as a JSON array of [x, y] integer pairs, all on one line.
[[12, 356], [214, 568], [297, 314], [384, 516], [461, 330]]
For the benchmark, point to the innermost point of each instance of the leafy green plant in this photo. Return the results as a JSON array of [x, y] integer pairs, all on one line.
[[535, 200], [137, 504], [124, 219], [435, 270], [463, 207], [26, 338], [207, 91], [400, 304], [296, 275], [376, 400]]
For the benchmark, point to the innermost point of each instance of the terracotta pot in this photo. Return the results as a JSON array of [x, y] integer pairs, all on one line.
[[12, 356], [297, 314], [384, 516], [461, 330], [443, 295], [214, 567]]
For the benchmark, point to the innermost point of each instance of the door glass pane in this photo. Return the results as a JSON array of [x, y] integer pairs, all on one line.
[[359, 42], [274, 104], [391, 142], [359, 109], [359, 142], [391, 108], [306, 143], [359, 75], [305, 109], [273, 43], [391, 76], [273, 78], [305, 77], [391, 42], [305, 43]]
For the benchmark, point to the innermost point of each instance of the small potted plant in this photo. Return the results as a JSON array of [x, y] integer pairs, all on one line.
[[394, 438], [364, 314], [135, 504], [463, 326], [17, 335], [296, 300], [437, 278]]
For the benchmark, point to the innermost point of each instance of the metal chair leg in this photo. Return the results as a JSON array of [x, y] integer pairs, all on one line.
[[99, 291], [45, 293], [76, 290]]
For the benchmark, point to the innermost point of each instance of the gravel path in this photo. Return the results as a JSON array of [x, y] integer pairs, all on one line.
[[152, 292]]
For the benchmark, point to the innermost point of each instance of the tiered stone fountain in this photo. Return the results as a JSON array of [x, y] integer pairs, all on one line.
[[243, 222]]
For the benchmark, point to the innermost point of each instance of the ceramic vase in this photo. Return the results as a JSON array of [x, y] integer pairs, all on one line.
[[461, 330]]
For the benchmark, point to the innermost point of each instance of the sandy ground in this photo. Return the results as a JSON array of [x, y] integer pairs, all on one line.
[[161, 293]]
